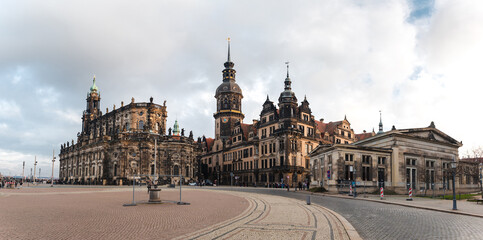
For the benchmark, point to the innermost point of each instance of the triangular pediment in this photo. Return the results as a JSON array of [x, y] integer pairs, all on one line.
[[430, 134]]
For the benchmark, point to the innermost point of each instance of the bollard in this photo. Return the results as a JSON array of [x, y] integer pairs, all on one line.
[[382, 193], [308, 200], [350, 190], [410, 195]]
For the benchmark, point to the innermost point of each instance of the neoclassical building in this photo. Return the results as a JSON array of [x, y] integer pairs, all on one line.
[[114, 146], [399, 159]]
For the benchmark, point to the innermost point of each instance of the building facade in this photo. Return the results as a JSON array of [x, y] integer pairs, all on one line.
[[399, 159], [271, 149], [113, 147]]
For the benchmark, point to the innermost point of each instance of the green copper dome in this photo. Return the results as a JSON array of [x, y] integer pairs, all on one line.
[[94, 87], [176, 128]]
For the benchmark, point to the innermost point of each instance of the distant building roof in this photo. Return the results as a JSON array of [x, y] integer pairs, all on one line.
[[209, 143], [362, 136]]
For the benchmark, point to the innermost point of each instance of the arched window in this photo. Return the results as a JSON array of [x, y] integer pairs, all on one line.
[[187, 172], [175, 170], [141, 124]]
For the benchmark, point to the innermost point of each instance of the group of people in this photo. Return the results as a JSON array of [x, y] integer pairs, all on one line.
[[10, 183]]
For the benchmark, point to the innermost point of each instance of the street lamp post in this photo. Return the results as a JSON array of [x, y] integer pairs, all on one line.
[[23, 172], [53, 160], [35, 168], [355, 179], [481, 179], [155, 150], [329, 175], [453, 166], [295, 179]]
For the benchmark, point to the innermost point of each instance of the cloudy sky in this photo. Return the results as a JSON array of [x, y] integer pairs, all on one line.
[[416, 61]]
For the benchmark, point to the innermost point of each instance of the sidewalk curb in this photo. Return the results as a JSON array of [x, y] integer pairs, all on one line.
[[350, 230], [400, 204]]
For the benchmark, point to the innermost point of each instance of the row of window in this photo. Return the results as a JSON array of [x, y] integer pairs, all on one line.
[[366, 159], [344, 133], [268, 148], [267, 119], [237, 155]]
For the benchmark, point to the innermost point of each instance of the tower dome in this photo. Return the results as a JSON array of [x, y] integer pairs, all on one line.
[[229, 84], [94, 87]]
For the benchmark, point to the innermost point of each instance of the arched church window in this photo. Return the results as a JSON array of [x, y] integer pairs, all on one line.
[[141, 124], [225, 103], [187, 171], [176, 170]]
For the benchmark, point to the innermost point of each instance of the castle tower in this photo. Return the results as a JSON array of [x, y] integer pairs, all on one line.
[[287, 102], [228, 98]]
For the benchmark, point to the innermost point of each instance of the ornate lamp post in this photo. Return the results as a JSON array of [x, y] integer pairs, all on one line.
[[453, 166]]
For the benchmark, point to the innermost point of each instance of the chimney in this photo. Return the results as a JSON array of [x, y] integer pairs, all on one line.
[[364, 131], [321, 120], [107, 110], [114, 107]]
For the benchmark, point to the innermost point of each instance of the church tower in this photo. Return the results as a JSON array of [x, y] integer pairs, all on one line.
[[93, 105], [228, 102]]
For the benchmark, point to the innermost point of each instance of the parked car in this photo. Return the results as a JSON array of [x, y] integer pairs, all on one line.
[[192, 184]]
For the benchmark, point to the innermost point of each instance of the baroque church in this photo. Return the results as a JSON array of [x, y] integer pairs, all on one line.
[[131, 140]]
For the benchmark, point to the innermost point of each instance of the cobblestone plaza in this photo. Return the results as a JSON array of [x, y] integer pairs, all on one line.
[[98, 213]]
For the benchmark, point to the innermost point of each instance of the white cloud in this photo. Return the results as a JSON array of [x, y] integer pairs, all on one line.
[[9, 109], [348, 57]]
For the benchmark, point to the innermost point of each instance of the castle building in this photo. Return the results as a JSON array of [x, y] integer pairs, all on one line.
[[271, 149], [113, 147]]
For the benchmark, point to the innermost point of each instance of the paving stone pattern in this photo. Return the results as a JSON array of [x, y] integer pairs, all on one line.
[[374, 220], [274, 217], [82, 214]]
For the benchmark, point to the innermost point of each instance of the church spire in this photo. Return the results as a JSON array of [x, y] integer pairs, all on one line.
[[94, 87], [229, 64], [229, 59], [176, 128], [288, 82], [380, 123]]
